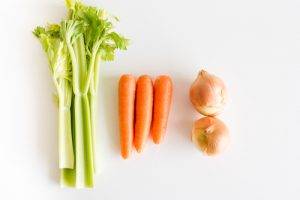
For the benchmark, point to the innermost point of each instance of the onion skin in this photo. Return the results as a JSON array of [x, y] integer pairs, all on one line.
[[210, 135], [208, 94]]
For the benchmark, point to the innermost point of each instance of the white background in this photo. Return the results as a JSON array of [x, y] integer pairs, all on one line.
[[253, 45]]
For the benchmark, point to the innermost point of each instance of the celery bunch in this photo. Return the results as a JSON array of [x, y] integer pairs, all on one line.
[[74, 49]]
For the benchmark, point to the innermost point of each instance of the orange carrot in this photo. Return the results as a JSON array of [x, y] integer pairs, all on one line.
[[126, 113], [143, 111], [163, 90]]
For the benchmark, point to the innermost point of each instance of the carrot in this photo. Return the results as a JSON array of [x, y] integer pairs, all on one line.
[[143, 111], [163, 90], [126, 113]]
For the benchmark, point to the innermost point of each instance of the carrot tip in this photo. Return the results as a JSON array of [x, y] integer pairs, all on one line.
[[125, 156], [156, 141], [139, 150]]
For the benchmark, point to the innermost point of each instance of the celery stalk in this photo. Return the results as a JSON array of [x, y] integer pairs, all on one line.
[[83, 151], [74, 49], [83, 139], [60, 70], [89, 167], [68, 176], [93, 93], [91, 99], [65, 145]]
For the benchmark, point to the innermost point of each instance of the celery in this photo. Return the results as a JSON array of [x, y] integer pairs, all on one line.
[[60, 70], [75, 49]]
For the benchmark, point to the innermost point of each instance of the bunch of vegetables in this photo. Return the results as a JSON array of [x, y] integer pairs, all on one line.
[[208, 95], [74, 48], [143, 108]]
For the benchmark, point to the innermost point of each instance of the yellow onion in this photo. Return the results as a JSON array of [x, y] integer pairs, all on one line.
[[208, 94], [210, 135]]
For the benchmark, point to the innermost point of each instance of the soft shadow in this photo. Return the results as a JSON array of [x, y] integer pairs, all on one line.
[[46, 117], [46, 114], [182, 122], [109, 92]]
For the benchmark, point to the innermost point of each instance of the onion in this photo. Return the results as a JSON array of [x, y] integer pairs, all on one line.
[[210, 135], [208, 94]]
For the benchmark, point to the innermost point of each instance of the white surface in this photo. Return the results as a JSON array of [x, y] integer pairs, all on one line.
[[253, 45]]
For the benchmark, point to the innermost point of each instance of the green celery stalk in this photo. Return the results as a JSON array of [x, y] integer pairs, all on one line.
[[83, 140], [92, 104], [82, 124], [60, 70], [92, 100], [68, 176], [74, 50], [66, 156]]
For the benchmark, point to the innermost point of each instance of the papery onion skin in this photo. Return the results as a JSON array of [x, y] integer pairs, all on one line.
[[208, 94], [210, 135]]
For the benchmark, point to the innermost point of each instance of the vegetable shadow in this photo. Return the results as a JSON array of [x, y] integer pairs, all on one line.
[[109, 97], [182, 114], [46, 117], [46, 112]]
